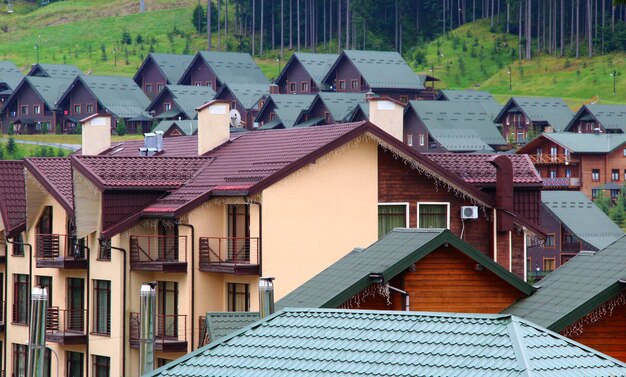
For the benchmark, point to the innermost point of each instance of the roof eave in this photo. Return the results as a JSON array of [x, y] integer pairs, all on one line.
[[34, 170]]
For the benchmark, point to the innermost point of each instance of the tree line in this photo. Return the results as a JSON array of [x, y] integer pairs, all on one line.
[[560, 27]]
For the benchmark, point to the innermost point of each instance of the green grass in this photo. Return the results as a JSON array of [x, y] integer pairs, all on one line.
[[70, 139], [22, 151]]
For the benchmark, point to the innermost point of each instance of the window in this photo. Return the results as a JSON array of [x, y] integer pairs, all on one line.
[[624, 152], [238, 297], [422, 141], [167, 106], [24, 109], [404, 99], [74, 364], [595, 175], [20, 358], [566, 257], [615, 175], [102, 307], [326, 117], [594, 193], [539, 152], [36, 109], [101, 366], [104, 251], [89, 109], [46, 282], [304, 86], [198, 83], [162, 362], [167, 301], [233, 104], [552, 173], [76, 109], [342, 85], [272, 116], [615, 194], [148, 88], [568, 172], [159, 87], [292, 87], [550, 241], [354, 85], [433, 215], [21, 298], [392, 215], [409, 140], [18, 245], [548, 264], [76, 304]]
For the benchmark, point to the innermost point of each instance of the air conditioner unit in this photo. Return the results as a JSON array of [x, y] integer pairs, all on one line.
[[469, 212]]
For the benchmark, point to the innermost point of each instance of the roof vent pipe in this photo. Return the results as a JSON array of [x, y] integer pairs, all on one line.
[[159, 140], [147, 325], [266, 296], [37, 332]]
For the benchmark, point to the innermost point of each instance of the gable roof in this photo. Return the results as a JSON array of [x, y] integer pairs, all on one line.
[[231, 67], [486, 100], [220, 324], [119, 95], [186, 97], [457, 115], [610, 117], [172, 66], [540, 109], [188, 127], [49, 89], [10, 74], [55, 175], [247, 94], [321, 342], [389, 256], [460, 140], [12, 197], [381, 69], [582, 217], [576, 288], [578, 143], [340, 105], [317, 66], [288, 108], [63, 71], [476, 168]]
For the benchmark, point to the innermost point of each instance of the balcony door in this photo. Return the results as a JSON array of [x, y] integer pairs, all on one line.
[[75, 304], [238, 232], [47, 245], [167, 306], [77, 246], [44, 226], [168, 242]]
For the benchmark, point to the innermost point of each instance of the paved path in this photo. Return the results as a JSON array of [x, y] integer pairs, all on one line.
[[72, 147]]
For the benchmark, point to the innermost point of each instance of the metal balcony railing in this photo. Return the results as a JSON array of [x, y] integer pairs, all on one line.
[[55, 246], [158, 253], [65, 322], [228, 254], [170, 327]]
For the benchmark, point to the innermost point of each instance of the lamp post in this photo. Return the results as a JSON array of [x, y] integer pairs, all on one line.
[[37, 50], [278, 61], [115, 57], [510, 80], [614, 75]]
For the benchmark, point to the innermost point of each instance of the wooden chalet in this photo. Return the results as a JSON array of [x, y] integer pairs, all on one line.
[[586, 162], [215, 68], [246, 101], [572, 223], [10, 77], [159, 70], [522, 118], [304, 72], [62, 71], [179, 102], [596, 118], [332, 107], [283, 110]]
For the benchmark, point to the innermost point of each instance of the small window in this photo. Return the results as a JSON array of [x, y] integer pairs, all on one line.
[[594, 193], [354, 85], [422, 140], [549, 264], [392, 216], [539, 152], [198, 83], [159, 87], [36, 109], [292, 87], [238, 297], [89, 109], [568, 172], [20, 358], [625, 174], [104, 251], [46, 282], [326, 117], [624, 152], [101, 366], [21, 298], [552, 173], [615, 175], [433, 215], [148, 88], [404, 99], [261, 104], [18, 246], [24, 109], [304, 87], [342, 85], [615, 194], [167, 106], [233, 105], [76, 109], [272, 116], [553, 151], [409, 140], [550, 241], [595, 175]]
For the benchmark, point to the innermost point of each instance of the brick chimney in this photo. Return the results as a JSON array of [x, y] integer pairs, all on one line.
[[387, 114], [213, 125], [274, 89], [504, 192], [96, 136]]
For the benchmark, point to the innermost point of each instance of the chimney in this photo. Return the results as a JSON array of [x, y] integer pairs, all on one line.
[[388, 115], [213, 125], [147, 325], [274, 89], [96, 134], [149, 145], [266, 296], [504, 192], [37, 333], [159, 140]]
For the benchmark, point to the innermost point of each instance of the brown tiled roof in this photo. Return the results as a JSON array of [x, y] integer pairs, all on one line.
[[476, 169], [181, 146], [12, 196], [55, 174]]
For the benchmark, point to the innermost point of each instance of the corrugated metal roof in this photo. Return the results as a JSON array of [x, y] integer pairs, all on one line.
[[610, 117], [317, 342], [12, 196], [581, 216], [220, 324], [10, 74], [234, 67]]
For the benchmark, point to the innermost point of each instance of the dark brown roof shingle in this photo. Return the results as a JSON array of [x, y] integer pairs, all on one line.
[[12, 196]]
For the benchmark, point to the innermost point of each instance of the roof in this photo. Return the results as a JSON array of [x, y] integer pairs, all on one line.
[[247, 94], [55, 175], [317, 65], [288, 107], [458, 115], [476, 168], [324, 342], [188, 127], [579, 143], [10, 74], [582, 217], [186, 97], [12, 197], [119, 95], [220, 324], [540, 109], [64, 71], [50, 89], [381, 69], [232, 67], [341, 105], [390, 255], [171, 65], [610, 117], [460, 140], [491, 106], [576, 288]]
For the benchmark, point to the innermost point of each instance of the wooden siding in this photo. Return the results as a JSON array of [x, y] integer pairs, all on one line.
[[413, 126], [265, 115], [200, 74], [80, 96], [28, 97], [117, 206], [320, 110], [295, 73], [159, 106], [514, 125], [150, 75]]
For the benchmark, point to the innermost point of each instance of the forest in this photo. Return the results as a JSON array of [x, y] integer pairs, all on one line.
[[570, 28]]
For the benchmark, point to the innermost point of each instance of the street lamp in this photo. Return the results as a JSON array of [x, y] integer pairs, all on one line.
[[510, 80], [278, 61], [114, 57], [37, 49], [614, 75]]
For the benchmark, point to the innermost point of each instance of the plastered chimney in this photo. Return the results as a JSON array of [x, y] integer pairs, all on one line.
[[96, 136], [213, 125], [388, 115]]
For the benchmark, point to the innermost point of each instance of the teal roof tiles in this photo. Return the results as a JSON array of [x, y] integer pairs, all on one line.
[[553, 111], [188, 98], [119, 95], [10, 74], [64, 71], [220, 324], [50, 89], [610, 117], [172, 65], [587, 143], [341, 105], [248, 94], [234, 67]]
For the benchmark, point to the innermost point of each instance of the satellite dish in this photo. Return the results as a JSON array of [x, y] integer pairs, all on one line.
[[235, 118]]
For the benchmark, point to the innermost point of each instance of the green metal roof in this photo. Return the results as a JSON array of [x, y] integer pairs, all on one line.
[[317, 65], [540, 109], [50, 89], [318, 342], [310, 122], [460, 140], [189, 127], [458, 115], [491, 106], [611, 117], [390, 255], [234, 67], [220, 324], [382, 69], [188, 98], [289, 107], [172, 65], [576, 288], [247, 94], [119, 95], [10, 74], [66, 71], [585, 143], [582, 217], [341, 105]]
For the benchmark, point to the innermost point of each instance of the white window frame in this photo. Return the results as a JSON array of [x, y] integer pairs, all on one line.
[[422, 140], [409, 140], [447, 204], [407, 211]]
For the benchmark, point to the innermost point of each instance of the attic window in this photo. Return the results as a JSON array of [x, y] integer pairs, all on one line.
[[159, 87]]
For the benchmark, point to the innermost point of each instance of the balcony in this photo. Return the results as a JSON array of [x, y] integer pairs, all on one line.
[[239, 256], [561, 183], [59, 251], [171, 332], [570, 247], [66, 326], [158, 253], [544, 159]]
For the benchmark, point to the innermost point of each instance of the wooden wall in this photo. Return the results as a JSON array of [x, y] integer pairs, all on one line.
[[608, 335]]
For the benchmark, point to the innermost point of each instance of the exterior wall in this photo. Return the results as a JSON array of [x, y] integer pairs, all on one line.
[[586, 127], [159, 106], [27, 97], [346, 71], [266, 115], [320, 110], [414, 128], [336, 211], [149, 79], [82, 97], [295, 73], [515, 123], [247, 115], [537, 254], [200, 74]]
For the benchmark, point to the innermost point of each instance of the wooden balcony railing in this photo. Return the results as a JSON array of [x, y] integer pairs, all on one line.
[[60, 251], [66, 326], [570, 247], [235, 255], [540, 159], [171, 332], [20, 313], [556, 183], [158, 253]]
